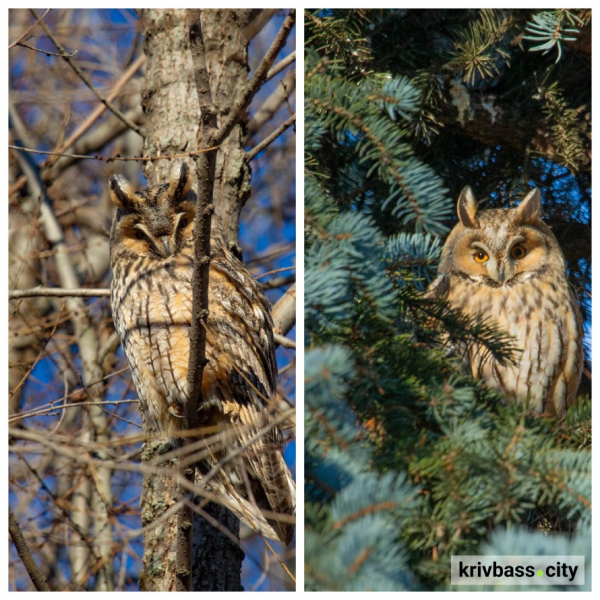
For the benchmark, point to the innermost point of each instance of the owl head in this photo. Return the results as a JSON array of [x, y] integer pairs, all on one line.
[[155, 221], [500, 247]]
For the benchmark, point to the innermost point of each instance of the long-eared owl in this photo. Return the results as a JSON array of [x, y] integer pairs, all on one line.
[[505, 265], [152, 240]]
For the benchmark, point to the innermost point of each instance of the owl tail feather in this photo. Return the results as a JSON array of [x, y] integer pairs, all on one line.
[[247, 512]]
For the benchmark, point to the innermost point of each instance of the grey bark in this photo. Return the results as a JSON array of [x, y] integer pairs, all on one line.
[[170, 102]]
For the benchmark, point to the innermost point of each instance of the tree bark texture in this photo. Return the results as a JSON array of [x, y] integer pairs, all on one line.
[[170, 103]]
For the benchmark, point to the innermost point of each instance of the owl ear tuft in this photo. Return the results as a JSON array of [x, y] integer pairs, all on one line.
[[121, 192], [529, 209], [180, 181], [466, 208]]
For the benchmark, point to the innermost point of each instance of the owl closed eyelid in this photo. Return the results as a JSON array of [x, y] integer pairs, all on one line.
[[151, 297], [520, 284]]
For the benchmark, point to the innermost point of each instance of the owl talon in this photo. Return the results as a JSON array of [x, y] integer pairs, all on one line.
[[175, 412], [166, 447]]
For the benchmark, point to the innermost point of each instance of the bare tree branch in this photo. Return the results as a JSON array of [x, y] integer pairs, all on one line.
[[270, 138], [281, 65], [87, 341], [59, 293], [257, 24], [271, 105], [260, 76], [25, 553], [92, 118], [205, 169], [45, 52], [104, 292], [284, 311], [28, 31], [283, 341], [69, 58]]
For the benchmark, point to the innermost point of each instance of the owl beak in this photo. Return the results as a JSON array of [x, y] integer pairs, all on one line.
[[501, 274], [497, 271], [166, 245]]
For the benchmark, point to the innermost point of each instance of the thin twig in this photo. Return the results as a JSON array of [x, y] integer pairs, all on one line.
[[272, 272], [277, 282], [24, 415], [91, 119], [97, 112], [270, 138], [46, 52], [84, 78], [64, 406], [17, 41], [281, 65], [271, 105], [257, 81], [110, 159], [278, 250]]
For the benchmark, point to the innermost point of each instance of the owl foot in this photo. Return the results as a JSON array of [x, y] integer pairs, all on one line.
[[175, 411], [166, 447]]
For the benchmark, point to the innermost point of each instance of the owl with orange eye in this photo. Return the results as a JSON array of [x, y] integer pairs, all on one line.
[[506, 266]]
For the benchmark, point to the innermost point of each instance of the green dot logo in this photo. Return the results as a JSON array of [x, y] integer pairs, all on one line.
[[540, 573]]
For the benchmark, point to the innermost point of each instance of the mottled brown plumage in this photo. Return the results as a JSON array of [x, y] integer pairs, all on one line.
[[151, 295], [505, 265]]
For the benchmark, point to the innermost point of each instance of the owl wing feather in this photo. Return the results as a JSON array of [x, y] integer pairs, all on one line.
[[577, 334], [242, 328], [438, 288], [264, 457]]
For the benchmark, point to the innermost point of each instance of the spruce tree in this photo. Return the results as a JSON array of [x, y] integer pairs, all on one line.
[[408, 459]]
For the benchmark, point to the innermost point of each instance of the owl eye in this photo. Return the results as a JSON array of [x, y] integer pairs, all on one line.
[[141, 232], [518, 252], [480, 256], [181, 221]]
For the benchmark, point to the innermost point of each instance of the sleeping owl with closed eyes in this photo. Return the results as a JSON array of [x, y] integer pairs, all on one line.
[[152, 262], [506, 266]]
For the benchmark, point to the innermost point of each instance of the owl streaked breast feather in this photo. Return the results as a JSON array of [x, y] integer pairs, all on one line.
[[507, 266], [151, 296]]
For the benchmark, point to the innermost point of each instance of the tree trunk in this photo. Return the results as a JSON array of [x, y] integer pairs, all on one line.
[[170, 102]]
